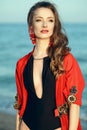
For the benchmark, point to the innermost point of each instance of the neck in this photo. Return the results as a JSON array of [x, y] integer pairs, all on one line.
[[41, 48]]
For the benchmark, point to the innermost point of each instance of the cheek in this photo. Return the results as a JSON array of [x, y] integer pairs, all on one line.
[[36, 28], [52, 28]]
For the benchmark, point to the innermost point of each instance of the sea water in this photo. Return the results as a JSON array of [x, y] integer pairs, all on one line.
[[15, 43]]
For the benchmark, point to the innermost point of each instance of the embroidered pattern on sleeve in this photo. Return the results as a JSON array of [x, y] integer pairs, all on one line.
[[72, 96]]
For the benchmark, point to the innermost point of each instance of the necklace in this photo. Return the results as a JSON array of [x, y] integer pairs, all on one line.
[[38, 58]]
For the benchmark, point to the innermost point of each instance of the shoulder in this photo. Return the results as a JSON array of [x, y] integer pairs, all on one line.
[[23, 60], [69, 57], [70, 61]]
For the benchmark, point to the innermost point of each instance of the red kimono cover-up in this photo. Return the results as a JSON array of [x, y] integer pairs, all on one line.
[[71, 77]]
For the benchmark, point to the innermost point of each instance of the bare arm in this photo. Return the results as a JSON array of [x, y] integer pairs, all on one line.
[[17, 121], [74, 116]]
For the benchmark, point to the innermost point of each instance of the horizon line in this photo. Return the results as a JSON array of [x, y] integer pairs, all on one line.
[[66, 22]]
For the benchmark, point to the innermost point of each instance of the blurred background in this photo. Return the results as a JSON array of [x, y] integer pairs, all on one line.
[[15, 42]]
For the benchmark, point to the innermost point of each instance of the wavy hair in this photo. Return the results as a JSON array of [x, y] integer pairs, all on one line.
[[59, 40]]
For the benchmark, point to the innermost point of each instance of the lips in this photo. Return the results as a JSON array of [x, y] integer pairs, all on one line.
[[44, 31]]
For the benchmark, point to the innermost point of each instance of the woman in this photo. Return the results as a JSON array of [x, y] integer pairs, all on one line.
[[49, 80]]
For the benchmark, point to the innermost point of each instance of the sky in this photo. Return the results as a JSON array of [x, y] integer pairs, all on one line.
[[12, 11]]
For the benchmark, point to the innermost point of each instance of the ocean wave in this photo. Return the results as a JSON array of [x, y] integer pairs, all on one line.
[[6, 71], [82, 59], [9, 79], [83, 116], [6, 104]]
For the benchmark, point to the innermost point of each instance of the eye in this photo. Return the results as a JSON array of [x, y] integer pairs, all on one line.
[[38, 20], [51, 20]]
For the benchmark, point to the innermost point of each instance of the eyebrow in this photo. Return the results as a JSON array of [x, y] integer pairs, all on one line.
[[42, 17]]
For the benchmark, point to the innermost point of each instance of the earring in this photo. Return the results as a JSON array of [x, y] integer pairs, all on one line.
[[51, 42], [32, 36]]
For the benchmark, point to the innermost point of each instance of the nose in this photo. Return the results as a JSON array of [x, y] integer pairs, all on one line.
[[44, 24]]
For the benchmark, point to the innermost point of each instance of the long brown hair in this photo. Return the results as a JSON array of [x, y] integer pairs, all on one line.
[[59, 47]]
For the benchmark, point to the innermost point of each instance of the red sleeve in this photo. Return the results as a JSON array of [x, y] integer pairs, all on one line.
[[74, 81], [18, 84]]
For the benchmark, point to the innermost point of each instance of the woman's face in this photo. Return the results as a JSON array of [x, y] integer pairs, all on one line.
[[43, 23]]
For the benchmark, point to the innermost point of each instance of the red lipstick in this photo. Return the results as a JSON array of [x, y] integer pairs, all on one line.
[[44, 31]]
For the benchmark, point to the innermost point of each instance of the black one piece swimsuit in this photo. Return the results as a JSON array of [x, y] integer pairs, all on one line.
[[39, 112]]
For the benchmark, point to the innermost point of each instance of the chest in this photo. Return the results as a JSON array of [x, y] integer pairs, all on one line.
[[39, 75]]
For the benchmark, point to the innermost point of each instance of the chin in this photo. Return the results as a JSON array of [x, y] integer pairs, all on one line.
[[44, 37]]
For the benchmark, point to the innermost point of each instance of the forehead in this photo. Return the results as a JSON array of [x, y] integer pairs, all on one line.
[[43, 12]]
